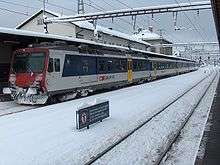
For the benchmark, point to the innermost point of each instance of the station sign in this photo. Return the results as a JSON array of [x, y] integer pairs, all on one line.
[[88, 115]]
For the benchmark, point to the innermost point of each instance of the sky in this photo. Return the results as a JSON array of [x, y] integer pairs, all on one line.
[[13, 12]]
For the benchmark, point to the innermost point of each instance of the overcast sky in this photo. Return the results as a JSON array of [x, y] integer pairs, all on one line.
[[13, 12]]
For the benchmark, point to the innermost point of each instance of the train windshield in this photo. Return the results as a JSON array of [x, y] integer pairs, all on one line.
[[29, 63]]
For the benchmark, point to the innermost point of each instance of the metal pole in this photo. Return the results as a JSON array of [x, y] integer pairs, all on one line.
[[44, 17]]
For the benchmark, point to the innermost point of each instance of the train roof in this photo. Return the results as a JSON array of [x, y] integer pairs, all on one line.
[[8, 35]]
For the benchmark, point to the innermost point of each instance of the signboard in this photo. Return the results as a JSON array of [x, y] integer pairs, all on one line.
[[88, 115]]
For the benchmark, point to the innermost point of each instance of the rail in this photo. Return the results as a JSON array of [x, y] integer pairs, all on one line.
[[99, 155]]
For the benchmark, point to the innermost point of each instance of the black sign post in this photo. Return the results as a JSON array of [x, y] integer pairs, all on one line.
[[88, 115]]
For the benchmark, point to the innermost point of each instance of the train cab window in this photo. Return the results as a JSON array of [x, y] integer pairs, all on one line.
[[57, 64], [50, 66]]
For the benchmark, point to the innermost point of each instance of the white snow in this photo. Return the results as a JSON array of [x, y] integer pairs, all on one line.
[[87, 25], [185, 150], [11, 107], [48, 135], [147, 35], [146, 145]]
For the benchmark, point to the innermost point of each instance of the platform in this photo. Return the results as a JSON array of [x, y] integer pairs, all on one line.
[[212, 151]]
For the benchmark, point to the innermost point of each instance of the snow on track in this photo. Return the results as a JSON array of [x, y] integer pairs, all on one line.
[[11, 107], [148, 144], [48, 135], [185, 149]]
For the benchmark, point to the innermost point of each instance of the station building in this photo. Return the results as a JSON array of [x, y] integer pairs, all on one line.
[[155, 40], [83, 30]]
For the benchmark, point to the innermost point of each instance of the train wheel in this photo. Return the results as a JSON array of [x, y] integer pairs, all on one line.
[[52, 100]]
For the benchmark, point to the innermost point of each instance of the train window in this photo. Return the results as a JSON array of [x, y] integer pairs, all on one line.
[[123, 65], [135, 65], [57, 64], [85, 66], [117, 65], [109, 65], [50, 66], [101, 66]]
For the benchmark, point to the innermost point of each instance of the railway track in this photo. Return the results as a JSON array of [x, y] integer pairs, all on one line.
[[175, 139], [4, 98], [108, 149], [8, 108]]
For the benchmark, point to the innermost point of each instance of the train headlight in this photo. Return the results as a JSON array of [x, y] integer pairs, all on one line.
[[39, 77], [12, 79], [37, 80]]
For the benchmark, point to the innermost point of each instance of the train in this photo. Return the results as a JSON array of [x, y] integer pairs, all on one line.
[[47, 73]]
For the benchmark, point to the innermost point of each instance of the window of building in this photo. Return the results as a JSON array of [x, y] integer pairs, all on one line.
[[85, 66], [40, 21]]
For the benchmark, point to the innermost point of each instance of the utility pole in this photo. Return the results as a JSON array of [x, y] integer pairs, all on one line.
[[44, 17], [81, 7]]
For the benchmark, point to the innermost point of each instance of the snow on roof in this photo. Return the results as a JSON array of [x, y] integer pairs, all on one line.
[[87, 25], [147, 35], [34, 15], [77, 40]]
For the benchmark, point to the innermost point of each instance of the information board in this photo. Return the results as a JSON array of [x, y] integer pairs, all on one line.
[[92, 114]]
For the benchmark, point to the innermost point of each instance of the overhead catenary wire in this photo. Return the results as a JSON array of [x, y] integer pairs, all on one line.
[[13, 11], [199, 23], [152, 19], [58, 6], [126, 5], [103, 9], [99, 8], [149, 19], [18, 4], [191, 22]]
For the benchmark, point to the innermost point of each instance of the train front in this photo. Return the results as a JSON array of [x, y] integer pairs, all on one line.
[[27, 76]]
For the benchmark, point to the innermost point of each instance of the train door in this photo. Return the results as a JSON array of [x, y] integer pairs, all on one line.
[[54, 74], [130, 72]]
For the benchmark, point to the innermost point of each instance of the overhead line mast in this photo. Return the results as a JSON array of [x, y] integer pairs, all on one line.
[[81, 9], [135, 11]]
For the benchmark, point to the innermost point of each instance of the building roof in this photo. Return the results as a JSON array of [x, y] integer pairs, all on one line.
[[147, 35], [34, 16], [89, 26]]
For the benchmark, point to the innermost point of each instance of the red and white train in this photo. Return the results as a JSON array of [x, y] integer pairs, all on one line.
[[52, 73]]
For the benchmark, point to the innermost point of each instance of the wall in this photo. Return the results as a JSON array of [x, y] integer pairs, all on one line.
[[65, 29], [107, 39], [158, 48]]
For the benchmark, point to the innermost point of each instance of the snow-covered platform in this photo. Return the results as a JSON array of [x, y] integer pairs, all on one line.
[[48, 135]]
